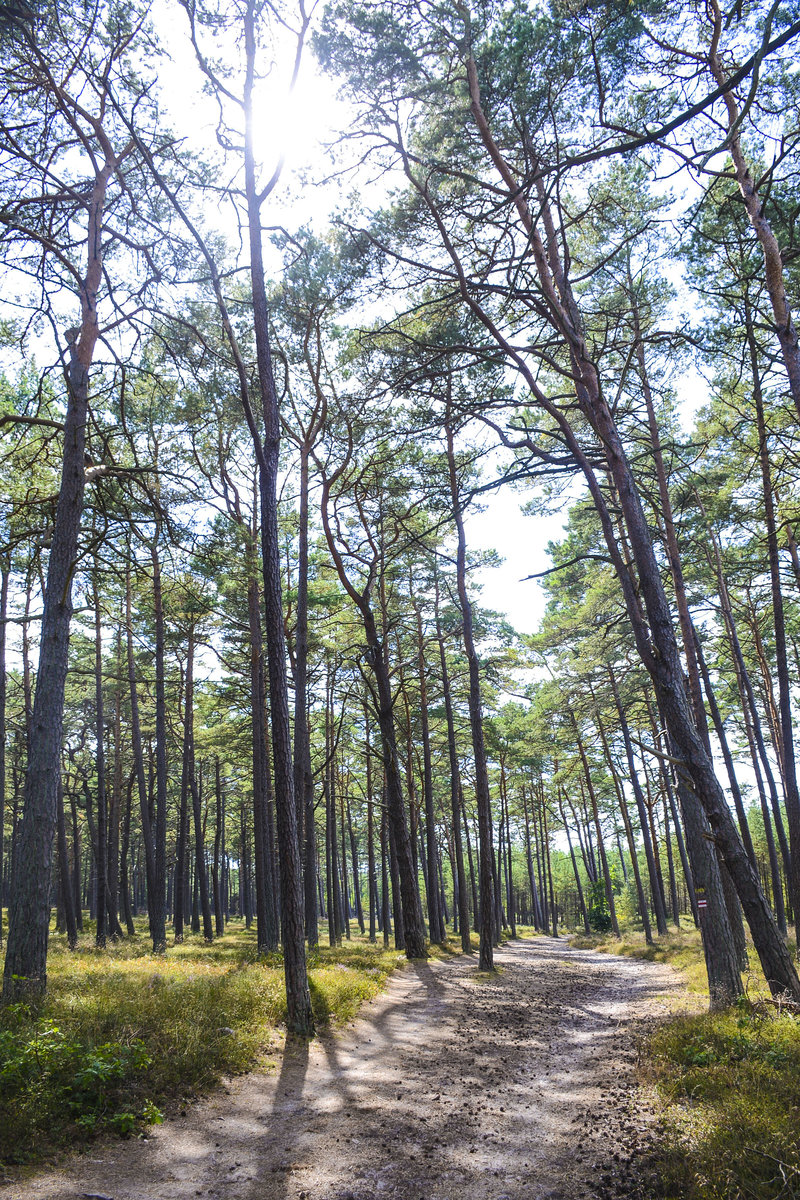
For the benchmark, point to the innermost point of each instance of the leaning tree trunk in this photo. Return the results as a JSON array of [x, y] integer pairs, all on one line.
[[645, 597], [785, 730], [754, 204]]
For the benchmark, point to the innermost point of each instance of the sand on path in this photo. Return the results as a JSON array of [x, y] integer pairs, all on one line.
[[449, 1086]]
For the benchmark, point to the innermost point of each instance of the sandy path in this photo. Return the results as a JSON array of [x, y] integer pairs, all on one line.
[[448, 1087]]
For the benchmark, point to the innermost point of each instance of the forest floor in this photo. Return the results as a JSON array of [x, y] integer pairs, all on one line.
[[450, 1084]]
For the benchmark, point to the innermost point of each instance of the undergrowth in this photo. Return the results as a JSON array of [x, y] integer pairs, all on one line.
[[123, 1033], [731, 1086], [728, 1082]]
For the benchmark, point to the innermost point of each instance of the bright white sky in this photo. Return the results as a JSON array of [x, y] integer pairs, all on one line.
[[299, 128]]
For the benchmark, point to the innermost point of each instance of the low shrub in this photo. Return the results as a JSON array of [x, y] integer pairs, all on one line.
[[123, 1033], [731, 1123]]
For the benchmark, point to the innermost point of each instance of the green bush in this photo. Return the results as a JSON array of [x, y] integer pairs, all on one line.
[[47, 1077], [597, 907]]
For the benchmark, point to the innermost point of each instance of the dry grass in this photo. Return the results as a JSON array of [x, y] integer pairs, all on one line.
[[123, 1033]]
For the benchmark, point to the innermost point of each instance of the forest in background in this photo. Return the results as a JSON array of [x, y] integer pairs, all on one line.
[[245, 668]]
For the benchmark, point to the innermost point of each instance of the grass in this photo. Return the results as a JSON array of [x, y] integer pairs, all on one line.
[[728, 1083], [123, 1034]]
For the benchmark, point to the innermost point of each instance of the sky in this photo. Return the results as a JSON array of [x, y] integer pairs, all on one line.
[[308, 121]]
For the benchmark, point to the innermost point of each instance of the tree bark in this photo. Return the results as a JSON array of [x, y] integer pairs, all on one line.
[[300, 1020], [486, 953], [158, 899], [25, 974], [437, 929]]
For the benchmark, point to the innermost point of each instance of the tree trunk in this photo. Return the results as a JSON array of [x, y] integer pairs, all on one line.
[[655, 888], [158, 922], [300, 1019], [219, 918], [476, 908], [645, 598], [486, 953], [626, 821], [67, 898], [755, 206], [303, 781], [609, 889], [387, 928], [25, 974], [101, 845], [138, 763], [266, 914], [5, 575], [437, 930], [581, 901], [124, 878], [536, 904], [785, 729], [455, 788], [356, 877], [371, 878]]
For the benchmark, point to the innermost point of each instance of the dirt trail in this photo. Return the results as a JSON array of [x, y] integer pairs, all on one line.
[[448, 1087]]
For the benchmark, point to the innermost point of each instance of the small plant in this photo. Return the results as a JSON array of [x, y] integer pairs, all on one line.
[[123, 1123], [731, 1082], [151, 1115], [122, 1032]]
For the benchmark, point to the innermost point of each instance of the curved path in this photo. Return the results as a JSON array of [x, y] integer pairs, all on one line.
[[449, 1086]]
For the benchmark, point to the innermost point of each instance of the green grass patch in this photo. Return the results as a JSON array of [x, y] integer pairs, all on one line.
[[123, 1034], [731, 1086]]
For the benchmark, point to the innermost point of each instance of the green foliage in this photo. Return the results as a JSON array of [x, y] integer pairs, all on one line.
[[123, 1033], [48, 1076], [732, 1125], [597, 907]]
